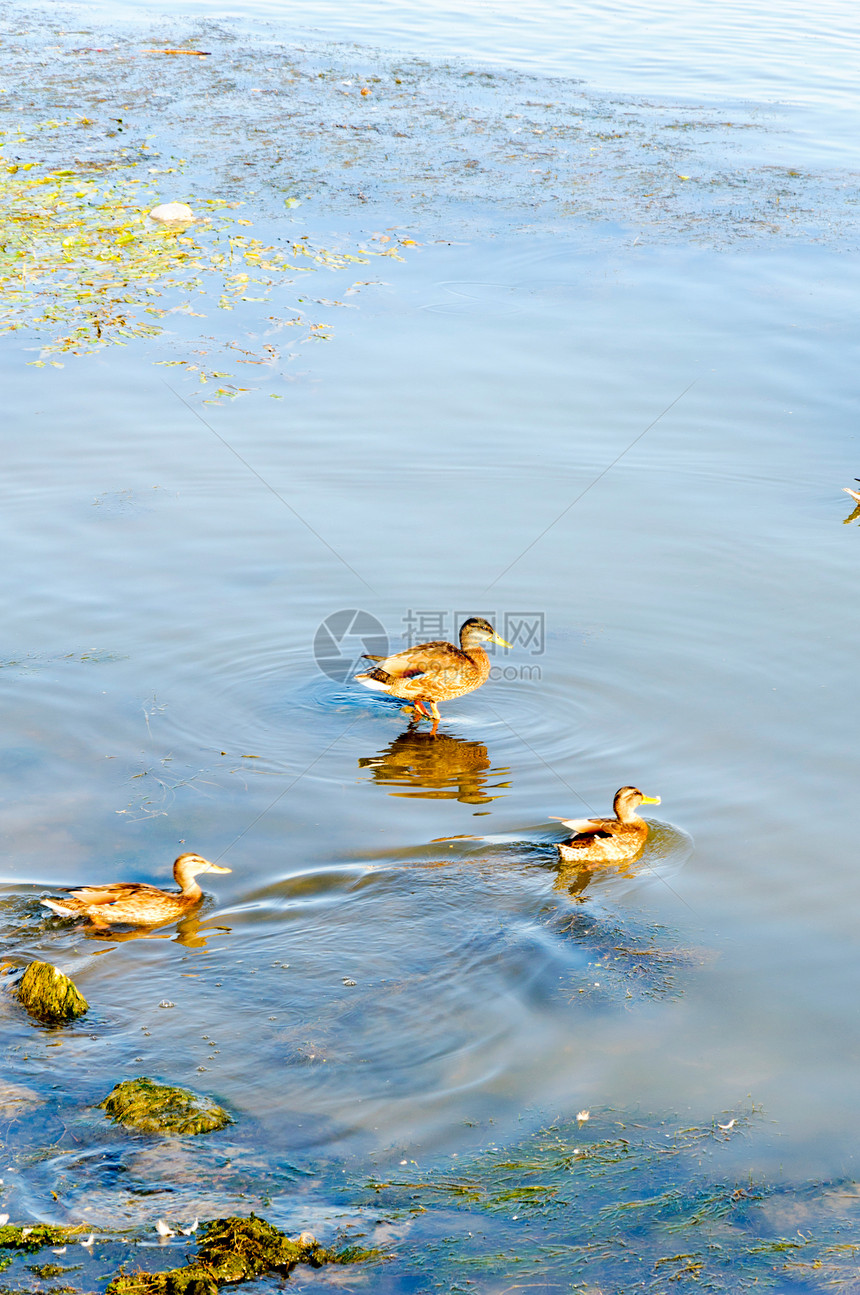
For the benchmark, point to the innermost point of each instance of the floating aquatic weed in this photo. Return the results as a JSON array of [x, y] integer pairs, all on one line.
[[34, 1237], [234, 1250], [51, 1270], [83, 262]]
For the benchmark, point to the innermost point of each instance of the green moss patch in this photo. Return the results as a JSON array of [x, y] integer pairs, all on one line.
[[31, 1239], [49, 995], [233, 1250], [159, 1108], [192, 1280], [46, 1271]]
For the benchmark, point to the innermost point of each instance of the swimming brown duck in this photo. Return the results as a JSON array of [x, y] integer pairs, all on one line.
[[432, 672], [608, 840], [134, 903]]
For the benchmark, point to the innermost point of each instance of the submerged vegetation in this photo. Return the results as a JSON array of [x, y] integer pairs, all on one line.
[[620, 1204], [159, 1108]]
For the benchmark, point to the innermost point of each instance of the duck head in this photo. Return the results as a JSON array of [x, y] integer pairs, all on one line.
[[187, 866], [627, 801], [476, 630]]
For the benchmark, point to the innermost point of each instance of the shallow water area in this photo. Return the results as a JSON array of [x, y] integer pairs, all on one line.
[[619, 432]]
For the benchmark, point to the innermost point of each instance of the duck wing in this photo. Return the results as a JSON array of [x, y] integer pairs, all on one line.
[[114, 893], [426, 658], [577, 825]]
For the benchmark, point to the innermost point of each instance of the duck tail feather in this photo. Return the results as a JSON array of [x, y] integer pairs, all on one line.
[[378, 680], [57, 906]]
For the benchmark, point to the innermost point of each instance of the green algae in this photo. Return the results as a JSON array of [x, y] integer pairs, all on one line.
[[31, 1239], [192, 1280], [160, 1108], [82, 265], [619, 1203], [234, 1250], [50, 996], [52, 1270]]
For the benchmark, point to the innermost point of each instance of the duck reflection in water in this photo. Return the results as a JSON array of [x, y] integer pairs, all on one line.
[[574, 880], [189, 932], [437, 766], [855, 494]]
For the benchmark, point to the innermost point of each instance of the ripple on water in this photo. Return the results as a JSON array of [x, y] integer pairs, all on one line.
[[257, 699]]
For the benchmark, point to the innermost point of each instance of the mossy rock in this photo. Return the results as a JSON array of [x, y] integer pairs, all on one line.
[[49, 995], [233, 1250], [159, 1108]]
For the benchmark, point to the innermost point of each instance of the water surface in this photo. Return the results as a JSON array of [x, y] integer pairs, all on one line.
[[628, 435]]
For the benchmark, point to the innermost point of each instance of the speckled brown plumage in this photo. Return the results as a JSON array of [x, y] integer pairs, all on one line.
[[130, 903], [608, 840], [438, 671]]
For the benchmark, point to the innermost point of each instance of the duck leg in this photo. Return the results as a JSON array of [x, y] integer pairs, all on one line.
[[421, 711]]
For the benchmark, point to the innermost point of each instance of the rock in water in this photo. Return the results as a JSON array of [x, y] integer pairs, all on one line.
[[173, 213], [49, 995], [159, 1108]]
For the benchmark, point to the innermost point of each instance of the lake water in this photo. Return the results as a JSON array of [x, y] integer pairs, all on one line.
[[605, 394]]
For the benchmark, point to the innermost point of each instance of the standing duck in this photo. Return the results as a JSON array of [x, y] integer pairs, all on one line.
[[133, 903], [608, 840], [432, 672]]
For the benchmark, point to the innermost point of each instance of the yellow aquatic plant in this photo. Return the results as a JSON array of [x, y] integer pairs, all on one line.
[[83, 266]]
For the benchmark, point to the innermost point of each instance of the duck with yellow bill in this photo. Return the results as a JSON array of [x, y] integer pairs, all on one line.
[[131, 903], [608, 840], [438, 671]]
